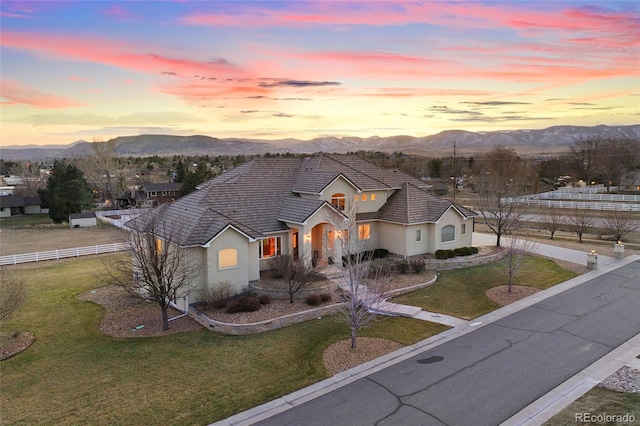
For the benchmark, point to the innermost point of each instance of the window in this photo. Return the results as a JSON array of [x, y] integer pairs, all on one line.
[[227, 258], [364, 232], [270, 247], [372, 197], [448, 233], [338, 200], [418, 235], [364, 197], [464, 228], [158, 246]]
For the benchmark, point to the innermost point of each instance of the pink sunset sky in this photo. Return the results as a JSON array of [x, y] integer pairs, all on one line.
[[91, 70]]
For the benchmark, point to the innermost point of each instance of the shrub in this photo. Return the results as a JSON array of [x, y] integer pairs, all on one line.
[[325, 297], [313, 300], [380, 253], [403, 266], [218, 296], [460, 252], [450, 254], [468, 251], [381, 268], [418, 265], [264, 299], [441, 254], [474, 250], [244, 304]]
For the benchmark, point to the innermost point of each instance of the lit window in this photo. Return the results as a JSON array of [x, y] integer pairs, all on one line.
[[227, 258], [270, 247], [337, 201], [448, 233], [158, 245], [364, 197], [464, 228], [418, 235], [373, 197], [355, 197], [364, 232]]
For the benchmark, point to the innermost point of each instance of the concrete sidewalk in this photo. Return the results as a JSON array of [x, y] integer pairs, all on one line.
[[547, 250], [535, 413]]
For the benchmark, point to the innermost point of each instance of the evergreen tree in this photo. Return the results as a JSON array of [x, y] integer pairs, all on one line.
[[67, 192], [181, 171], [195, 178]]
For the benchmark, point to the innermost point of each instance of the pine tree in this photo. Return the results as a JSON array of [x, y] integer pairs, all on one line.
[[67, 192]]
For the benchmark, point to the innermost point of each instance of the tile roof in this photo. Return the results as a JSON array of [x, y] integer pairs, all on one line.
[[11, 201], [162, 186], [259, 196], [412, 205]]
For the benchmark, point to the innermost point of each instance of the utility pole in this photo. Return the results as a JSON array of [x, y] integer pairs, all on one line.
[[455, 178]]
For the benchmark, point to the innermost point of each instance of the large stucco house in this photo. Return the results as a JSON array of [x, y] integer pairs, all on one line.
[[235, 223]]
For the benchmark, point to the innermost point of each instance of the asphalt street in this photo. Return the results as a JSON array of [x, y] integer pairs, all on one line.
[[486, 376]]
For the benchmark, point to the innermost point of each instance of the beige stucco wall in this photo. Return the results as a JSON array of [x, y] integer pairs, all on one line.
[[452, 217], [341, 186], [414, 247], [84, 222], [371, 206], [237, 276], [392, 237]]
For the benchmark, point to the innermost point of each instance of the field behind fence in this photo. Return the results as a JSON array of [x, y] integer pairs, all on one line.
[[14, 259]]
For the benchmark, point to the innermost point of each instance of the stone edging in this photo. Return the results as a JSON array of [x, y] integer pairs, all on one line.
[[267, 325], [287, 320]]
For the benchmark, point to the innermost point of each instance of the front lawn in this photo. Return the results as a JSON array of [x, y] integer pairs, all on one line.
[[599, 402], [461, 293], [73, 374]]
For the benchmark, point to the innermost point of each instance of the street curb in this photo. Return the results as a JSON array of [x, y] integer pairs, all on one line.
[[346, 377]]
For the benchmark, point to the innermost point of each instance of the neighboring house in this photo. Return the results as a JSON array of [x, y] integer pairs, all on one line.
[[149, 195], [12, 205], [82, 220], [235, 223]]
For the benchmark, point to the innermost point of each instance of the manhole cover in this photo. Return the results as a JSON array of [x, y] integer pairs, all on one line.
[[430, 360]]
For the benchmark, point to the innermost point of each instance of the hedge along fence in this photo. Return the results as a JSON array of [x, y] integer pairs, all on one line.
[[262, 326]]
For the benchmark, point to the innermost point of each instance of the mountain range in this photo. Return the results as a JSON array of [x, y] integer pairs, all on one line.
[[526, 142]]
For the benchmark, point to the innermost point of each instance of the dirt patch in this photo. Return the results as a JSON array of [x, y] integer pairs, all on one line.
[[129, 316], [12, 343], [340, 357], [500, 295]]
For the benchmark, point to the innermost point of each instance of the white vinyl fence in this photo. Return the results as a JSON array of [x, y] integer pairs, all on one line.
[[13, 259], [125, 216]]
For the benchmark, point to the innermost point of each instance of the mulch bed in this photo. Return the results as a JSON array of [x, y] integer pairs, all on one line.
[[502, 297]]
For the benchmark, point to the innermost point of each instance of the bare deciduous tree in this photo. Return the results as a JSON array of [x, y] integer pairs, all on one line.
[[517, 251], [296, 274], [580, 221], [362, 284], [552, 222], [620, 223], [505, 177], [161, 268], [103, 169], [12, 293]]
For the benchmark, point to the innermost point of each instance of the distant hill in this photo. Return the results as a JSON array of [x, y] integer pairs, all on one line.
[[545, 141]]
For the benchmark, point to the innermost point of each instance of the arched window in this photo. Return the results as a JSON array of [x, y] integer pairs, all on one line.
[[448, 233], [227, 258], [338, 200]]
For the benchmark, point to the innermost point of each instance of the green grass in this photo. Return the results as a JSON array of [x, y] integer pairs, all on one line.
[[599, 401], [461, 292], [73, 374]]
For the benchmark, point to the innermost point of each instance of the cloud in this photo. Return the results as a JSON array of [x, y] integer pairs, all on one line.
[[138, 118], [251, 111], [299, 83], [119, 13], [124, 55], [15, 93], [496, 103], [282, 114]]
